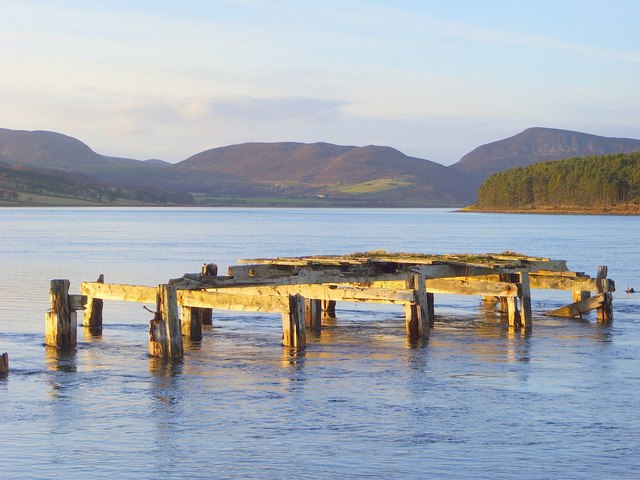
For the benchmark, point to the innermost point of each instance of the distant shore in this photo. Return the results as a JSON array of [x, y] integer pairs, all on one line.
[[631, 210]]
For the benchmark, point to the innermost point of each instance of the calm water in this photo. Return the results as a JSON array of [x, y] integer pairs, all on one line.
[[475, 401]]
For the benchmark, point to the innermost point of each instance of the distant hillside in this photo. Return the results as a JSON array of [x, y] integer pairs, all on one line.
[[269, 174], [537, 145], [608, 183], [373, 172]]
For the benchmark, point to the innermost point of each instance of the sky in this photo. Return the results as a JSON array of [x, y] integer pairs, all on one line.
[[434, 79]]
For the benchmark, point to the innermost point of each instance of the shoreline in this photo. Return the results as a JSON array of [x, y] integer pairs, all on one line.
[[560, 211]]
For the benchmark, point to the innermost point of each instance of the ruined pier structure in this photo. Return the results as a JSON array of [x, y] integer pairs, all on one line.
[[304, 289]]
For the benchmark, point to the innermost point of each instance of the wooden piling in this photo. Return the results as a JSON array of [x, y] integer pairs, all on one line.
[[93, 309], [513, 314], [4, 363], [165, 332], [61, 324], [191, 323], [205, 315], [293, 324], [524, 295], [329, 308], [417, 312], [313, 313], [603, 284]]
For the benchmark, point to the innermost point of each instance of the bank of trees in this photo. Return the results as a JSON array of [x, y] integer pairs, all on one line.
[[590, 182]]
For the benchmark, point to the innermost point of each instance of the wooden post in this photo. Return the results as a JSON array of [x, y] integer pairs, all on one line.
[[4, 363], [503, 304], [93, 309], [61, 324], [165, 332], [209, 269], [431, 309], [512, 312], [329, 308], [605, 311], [191, 324], [313, 313], [524, 294], [293, 326], [205, 315], [416, 313]]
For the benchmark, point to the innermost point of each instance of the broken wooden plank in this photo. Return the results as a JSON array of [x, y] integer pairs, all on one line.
[[579, 308]]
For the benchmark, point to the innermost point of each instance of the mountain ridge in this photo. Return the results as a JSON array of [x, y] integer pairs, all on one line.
[[538, 144]]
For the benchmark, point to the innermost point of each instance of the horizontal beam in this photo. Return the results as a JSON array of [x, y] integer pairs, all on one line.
[[561, 282], [121, 292], [233, 301], [327, 292], [471, 286]]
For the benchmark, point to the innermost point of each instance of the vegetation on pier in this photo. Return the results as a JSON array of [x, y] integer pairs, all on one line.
[[608, 183]]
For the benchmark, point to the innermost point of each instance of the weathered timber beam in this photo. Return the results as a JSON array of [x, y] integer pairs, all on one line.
[[326, 292], [578, 308], [232, 301], [471, 286], [561, 282], [115, 291]]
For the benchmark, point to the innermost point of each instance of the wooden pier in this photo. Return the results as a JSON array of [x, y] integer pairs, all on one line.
[[304, 289]]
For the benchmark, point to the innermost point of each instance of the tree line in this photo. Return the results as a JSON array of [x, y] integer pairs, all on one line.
[[598, 182]]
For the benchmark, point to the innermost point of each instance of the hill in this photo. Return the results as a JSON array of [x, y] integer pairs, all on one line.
[[608, 183], [537, 145], [368, 174], [287, 173]]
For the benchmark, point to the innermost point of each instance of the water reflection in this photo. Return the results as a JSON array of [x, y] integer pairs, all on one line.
[[61, 360]]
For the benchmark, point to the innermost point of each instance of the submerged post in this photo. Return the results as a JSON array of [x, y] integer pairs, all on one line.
[[165, 332], [93, 309], [524, 294], [293, 326], [191, 324], [329, 308], [417, 312], [313, 313], [603, 284], [61, 324], [4, 363]]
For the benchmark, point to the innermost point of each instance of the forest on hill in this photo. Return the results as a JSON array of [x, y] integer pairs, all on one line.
[[599, 183]]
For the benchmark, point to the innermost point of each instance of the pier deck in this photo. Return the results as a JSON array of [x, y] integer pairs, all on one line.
[[304, 289]]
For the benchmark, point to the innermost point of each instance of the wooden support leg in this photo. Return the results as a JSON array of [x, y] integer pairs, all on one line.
[[605, 311], [293, 326], [503, 303], [313, 313], [329, 308], [512, 312], [61, 324], [165, 332], [431, 309], [93, 310], [191, 324], [205, 315], [524, 293], [416, 313], [4, 363]]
